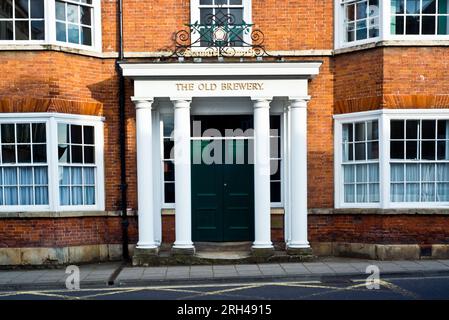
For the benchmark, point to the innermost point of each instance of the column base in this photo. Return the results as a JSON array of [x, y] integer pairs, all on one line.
[[182, 251], [298, 251], [262, 252], [145, 256]]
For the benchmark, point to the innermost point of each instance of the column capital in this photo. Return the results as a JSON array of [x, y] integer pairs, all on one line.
[[142, 103], [181, 102], [263, 102], [299, 102]]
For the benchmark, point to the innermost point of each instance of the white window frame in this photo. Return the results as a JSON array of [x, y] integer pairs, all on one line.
[[384, 26], [384, 117], [50, 29], [195, 16], [51, 120]]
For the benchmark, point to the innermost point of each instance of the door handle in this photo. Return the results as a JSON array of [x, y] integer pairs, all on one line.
[[225, 184]]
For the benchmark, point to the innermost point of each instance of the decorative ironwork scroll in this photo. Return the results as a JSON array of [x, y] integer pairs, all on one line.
[[219, 35]]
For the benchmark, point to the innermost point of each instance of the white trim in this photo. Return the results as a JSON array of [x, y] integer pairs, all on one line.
[[52, 119], [192, 70], [384, 116]]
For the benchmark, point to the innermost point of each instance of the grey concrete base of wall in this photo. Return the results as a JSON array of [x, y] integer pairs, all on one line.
[[381, 251], [62, 255]]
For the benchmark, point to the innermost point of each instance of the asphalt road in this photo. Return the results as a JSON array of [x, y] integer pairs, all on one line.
[[411, 287]]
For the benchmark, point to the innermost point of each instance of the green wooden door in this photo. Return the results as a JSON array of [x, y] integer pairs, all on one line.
[[223, 194]]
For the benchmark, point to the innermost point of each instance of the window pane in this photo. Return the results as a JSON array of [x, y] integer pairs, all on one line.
[[8, 154], [443, 150], [64, 175], [427, 192], [361, 173], [89, 135], [412, 150], [77, 195], [86, 17], [63, 133], [443, 129], [397, 25], [397, 6], [77, 154], [412, 192], [40, 175], [443, 172], [169, 192], [275, 169], [361, 30], [10, 176], [428, 150], [75, 134], [397, 172], [373, 150], [374, 192], [23, 133], [429, 6], [412, 129], [22, 30], [412, 172], [360, 131], [37, 8], [6, 10], [397, 192], [397, 129], [11, 196], [373, 172], [76, 176], [428, 129], [73, 33], [348, 152], [72, 13], [86, 36], [360, 151], [362, 193], [39, 153], [26, 176], [372, 130], [89, 176], [347, 132], [443, 6], [349, 193], [64, 153], [443, 192], [61, 32], [428, 25], [41, 195], [169, 171], [349, 173], [362, 8], [89, 155], [64, 196], [275, 192], [6, 30], [89, 195], [60, 11], [412, 25], [24, 153], [412, 6], [428, 172], [443, 25], [397, 150], [26, 195], [39, 133], [22, 9], [37, 30]]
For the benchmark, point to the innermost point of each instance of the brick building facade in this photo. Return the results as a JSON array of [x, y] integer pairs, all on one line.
[[370, 76]]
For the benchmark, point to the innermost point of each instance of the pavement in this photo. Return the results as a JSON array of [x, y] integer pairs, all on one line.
[[116, 275]]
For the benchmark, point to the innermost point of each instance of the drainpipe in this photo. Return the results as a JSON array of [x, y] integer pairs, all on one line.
[[122, 137]]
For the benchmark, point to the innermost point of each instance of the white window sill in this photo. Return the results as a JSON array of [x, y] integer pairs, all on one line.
[[53, 47], [392, 43]]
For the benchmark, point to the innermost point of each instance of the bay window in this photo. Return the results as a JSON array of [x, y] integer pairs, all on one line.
[[407, 167], [71, 23], [51, 162], [359, 22]]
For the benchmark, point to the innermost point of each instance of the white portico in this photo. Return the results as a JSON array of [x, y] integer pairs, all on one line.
[[183, 88]]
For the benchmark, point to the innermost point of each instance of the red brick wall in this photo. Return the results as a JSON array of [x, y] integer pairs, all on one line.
[[393, 229], [48, 232]]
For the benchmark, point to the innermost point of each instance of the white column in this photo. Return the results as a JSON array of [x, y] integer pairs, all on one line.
[[145, 174], [262, 217], [183, 218], [298, 174]]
